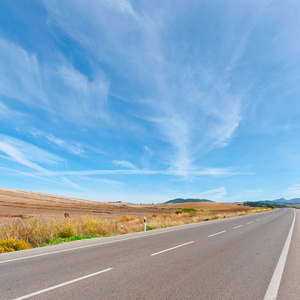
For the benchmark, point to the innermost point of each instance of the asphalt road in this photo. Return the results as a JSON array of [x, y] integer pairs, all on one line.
[[235, 258]]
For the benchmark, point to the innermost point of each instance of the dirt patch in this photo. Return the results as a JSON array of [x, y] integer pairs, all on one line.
[[15, 216]]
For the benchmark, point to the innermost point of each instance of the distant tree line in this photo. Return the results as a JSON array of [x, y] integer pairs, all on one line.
[[261, 204]]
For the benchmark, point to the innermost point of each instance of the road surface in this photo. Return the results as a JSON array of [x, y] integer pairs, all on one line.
[[236, 258]]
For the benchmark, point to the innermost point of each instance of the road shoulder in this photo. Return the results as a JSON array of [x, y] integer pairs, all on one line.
[[290, 284]]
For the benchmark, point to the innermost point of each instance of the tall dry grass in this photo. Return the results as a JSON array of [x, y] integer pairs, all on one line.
[[37, 232]]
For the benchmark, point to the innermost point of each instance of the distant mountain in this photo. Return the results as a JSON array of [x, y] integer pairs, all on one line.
[[294, 201], [181, 200]]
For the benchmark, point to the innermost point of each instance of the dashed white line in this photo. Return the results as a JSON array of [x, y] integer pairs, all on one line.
[[217, 233], [273, 288], [237, 226], [257, 220], [171, 248], [249, 222], [62, 284]]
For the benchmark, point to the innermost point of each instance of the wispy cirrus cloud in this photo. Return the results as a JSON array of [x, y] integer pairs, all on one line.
[[20, 75], [203, 172], [292, 192], [189, 102], [27, 154], [75, 97], [10, 114], [124, 163], [215, 194], [55, 87], [71, 147]]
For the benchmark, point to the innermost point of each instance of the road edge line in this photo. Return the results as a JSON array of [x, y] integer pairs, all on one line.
[[274, 284]]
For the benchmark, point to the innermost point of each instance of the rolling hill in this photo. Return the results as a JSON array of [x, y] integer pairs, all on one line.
[[181, 200]]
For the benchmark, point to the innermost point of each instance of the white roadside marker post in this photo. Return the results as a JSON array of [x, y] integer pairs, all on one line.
[[144, 223]]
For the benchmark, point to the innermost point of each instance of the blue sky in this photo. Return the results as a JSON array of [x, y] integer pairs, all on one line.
[[145, 101]]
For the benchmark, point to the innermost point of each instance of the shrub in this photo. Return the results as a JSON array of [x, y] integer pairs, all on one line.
[[185, 210], [188, 210], [10, 245], [67, 230], [125, 219]]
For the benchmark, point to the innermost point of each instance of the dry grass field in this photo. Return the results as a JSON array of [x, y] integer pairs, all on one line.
[[29, 219], [27, 205]]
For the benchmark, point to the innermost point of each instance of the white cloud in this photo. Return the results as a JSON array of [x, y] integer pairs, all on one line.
[[215, 194], [77, 98], [190, 99], [292, 192], [9, 114], [27, 174], [204, 172], [68, 182], [55, 87], [146, 157], [124, 164], [71, 147], [192, 106], [102, 181], [20, 77], [26, 154]]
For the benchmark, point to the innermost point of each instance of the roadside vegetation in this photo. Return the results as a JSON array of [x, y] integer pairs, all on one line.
[[19, 234], [269, 205]]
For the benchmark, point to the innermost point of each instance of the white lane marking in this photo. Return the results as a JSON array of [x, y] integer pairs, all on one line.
[[249, 222], [217, 233], [171, 248], [257, 220], [237, 226], [274, 284], [62, 284]]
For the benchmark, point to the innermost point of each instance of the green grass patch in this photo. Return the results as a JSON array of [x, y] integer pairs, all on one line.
[[188, 210], [149, 227], [70, 239], [185, 210], [168, 225]]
